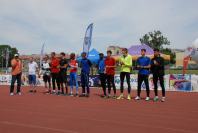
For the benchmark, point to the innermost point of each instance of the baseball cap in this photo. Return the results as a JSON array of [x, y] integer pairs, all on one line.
[[16, 55]]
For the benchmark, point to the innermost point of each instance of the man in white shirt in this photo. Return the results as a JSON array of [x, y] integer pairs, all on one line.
[[32, 70]]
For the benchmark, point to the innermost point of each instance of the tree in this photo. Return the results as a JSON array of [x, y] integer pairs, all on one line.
[[6, 50], [155, 40], [172, 55]]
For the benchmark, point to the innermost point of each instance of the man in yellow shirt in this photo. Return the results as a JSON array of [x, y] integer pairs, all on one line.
[[126, 65]]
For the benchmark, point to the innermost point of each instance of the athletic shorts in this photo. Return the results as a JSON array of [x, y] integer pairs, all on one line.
[[32, 79], [63, 77], [47, 78]]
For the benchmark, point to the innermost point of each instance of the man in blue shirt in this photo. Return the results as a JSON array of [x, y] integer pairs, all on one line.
[[143, 64], [85, 65], [101, 72]]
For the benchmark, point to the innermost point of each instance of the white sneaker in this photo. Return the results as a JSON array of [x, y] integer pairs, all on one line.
[[11, 94], [156, 98], [147, 99], [109, 96], [163, 99], [137, 98], [71, 94], [19, 93]]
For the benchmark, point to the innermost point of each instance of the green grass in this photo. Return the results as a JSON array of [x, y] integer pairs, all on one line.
[[166, 71], [181, 71]]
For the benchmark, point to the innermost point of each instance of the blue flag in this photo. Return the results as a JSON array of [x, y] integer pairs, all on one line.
[[88, 38]]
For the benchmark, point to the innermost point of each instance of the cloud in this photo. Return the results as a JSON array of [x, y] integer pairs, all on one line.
[[61, 24]]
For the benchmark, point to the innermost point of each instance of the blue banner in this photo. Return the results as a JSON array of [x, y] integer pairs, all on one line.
[[88, 38]]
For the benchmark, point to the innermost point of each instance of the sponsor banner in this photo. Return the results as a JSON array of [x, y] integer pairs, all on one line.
[[173, 82], [5, 79], [194, 81], [134, 82], [180, 82], [94, 81]]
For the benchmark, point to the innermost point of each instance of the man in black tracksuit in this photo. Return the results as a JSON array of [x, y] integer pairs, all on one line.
[[157, 68], [63, 73]]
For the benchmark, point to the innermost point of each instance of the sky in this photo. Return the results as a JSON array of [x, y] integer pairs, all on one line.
[[61, 24]]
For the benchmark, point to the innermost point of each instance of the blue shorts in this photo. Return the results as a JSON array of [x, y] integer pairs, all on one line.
[[32, 79]]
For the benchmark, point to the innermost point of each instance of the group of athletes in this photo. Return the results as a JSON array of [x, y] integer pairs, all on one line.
[[55, 74]]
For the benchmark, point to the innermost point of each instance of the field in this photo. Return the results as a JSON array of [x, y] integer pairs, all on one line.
[[42, 113]]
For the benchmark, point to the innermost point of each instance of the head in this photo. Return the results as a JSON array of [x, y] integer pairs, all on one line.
[[16, 56], [109, 53], [46, 58], [156, 52], [62, 55], [31, 59], [84, 55], [72, 56], [53, 54], [125, 51], [101, 55], [143, 52]]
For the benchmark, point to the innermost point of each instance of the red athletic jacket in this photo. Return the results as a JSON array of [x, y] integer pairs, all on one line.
[[110, 62], [55, 65]]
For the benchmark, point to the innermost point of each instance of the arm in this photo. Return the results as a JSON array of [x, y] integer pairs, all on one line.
[[89, 62], [161, 62], [55, 64], [149, 64], [138, 65], [64, 66], [37, 70], [13, 63]]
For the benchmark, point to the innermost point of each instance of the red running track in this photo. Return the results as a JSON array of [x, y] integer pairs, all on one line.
[[41, 113]]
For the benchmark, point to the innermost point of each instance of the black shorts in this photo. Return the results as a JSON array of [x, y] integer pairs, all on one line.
[[63, 77], [46, 78]]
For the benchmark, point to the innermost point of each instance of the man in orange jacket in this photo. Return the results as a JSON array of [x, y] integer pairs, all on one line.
[[16, 64]]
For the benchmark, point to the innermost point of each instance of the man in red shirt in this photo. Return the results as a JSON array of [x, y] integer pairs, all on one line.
[[110, 65], [55, 69]]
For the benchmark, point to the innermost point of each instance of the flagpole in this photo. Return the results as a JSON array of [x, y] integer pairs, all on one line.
[[41, 54]]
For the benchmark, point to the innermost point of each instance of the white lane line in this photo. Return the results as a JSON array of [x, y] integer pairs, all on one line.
[[37, 127], [120, 123]]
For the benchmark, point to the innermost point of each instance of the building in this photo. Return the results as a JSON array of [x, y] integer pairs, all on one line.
[[179, 59], [116, 50]]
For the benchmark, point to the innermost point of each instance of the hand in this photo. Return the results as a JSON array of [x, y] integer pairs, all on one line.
[[122, 63], [155, 62]]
